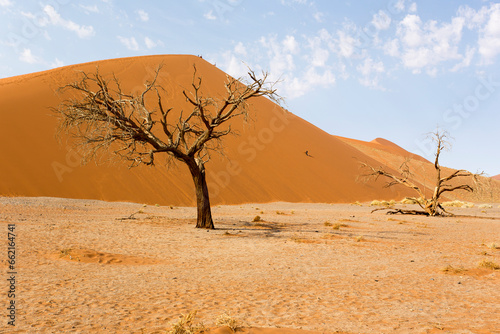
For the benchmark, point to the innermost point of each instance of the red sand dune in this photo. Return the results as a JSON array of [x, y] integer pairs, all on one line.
[[267, 161], [497, 177]]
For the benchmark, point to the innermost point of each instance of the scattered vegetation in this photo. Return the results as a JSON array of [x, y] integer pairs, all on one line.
[[489, 265], [458, 204], [357, 203], [409, 200], [186, 325], [493, 246], [485, 206], [257, 219], [449, 269], [339, 225], [327, 223], [280, 213], [360, 238], [226, 320]]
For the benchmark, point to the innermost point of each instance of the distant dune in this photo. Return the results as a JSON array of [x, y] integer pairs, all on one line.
[[266, 162], [497, 177]]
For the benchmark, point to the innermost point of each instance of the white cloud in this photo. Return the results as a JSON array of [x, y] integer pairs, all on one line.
[[5, 3], [150, 43], [489, 40], [210, 15], [290, 44], [467, 59], [240, 49], [318, 16], [346, 44], [391, 48], [370, 73], [90, 9], [381, 20], [413, 7], [400, 5], [233, 65], [28, 57], [55, 19], [473, 19], [57, 63], [410, 31], [427, 44], [130, 43], [290, 2], [143, 16]]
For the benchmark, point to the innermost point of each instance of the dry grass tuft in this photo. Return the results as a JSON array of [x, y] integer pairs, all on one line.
[[493, 245], [485, 206], [360, 238], [280, 213], [257, 219], [186, 325], [339, 225], [357, 203], [489, 265], [226, 320], [449, 269], [327, 223], [458, 204]]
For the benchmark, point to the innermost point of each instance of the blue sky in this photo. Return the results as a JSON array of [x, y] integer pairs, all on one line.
[[395, 69]]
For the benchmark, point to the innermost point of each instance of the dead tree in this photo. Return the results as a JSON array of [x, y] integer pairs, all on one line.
[[102, 117], [431, 206]]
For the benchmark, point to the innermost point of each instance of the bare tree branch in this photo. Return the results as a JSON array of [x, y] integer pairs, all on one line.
[[102, 118], [431, 206]]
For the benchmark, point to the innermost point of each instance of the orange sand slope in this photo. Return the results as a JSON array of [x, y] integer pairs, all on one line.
[[267, 160], [497, 177]]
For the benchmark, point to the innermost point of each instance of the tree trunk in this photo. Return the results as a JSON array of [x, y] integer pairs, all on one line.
[[204, 216]]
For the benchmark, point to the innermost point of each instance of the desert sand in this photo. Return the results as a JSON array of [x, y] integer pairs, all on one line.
[[87, 266]]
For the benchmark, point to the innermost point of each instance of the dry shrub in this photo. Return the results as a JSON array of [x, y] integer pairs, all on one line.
[[257, 219], [489, 265], [186, 325], [449, 269], [226, 320], [458, 204], [339, 225], [493, 246], [375, 203], [360, 238]]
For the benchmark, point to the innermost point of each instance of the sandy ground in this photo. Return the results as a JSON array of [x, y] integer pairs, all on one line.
[[83, 269]]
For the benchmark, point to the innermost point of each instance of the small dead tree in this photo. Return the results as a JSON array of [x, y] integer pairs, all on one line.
[[431, 206], [105, 118]]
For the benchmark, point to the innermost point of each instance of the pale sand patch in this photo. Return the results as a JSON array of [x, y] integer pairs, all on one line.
[[378, 274]]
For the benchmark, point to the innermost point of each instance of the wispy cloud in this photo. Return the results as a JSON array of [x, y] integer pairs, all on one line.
[[210, 15], [90, 9], [52, 17], [28, 57], [5, 3], [150, 44], [370, 73], [143, 16], [130, 43], [489, 40]]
